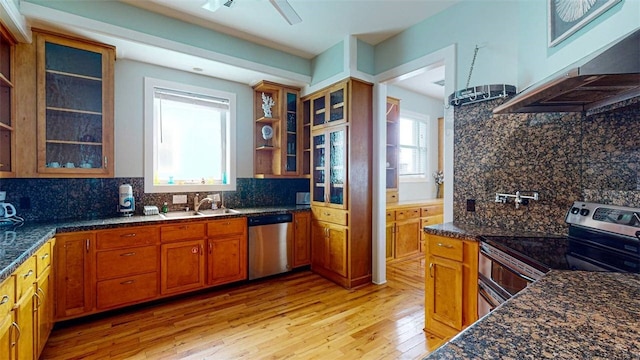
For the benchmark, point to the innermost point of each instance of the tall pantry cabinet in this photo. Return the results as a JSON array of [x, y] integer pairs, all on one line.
[[340, 185]]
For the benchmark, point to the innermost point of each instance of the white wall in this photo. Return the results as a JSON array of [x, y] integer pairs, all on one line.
[[129, 114], [433, 109]]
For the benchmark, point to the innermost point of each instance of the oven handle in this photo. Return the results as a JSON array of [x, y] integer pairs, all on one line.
[[487, 298], [482, 252]]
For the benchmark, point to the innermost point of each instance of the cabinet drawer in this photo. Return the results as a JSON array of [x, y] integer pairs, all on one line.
[[432, 220], [392, 196], [334, 216], [125, 262], [7, 292], [127, 290], [391, 216], [407, 214], [182, 232], [43, 258], [127, 237], [227, 226], [25, 277], [445, 247], [431, 210]]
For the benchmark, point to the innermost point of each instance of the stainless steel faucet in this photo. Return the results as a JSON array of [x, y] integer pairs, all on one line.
[[197, 203], [519, 199]]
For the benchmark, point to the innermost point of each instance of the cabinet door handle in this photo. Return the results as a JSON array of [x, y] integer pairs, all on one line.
[[128, 282], [431, 269], [210, 248], [128, 235], [15, 325], [128, 254], [4, 300], [87, 244], [44, 256], [38, 301], [29, 273], [42, 291], [201, 250], [446, 246], [105, 162]]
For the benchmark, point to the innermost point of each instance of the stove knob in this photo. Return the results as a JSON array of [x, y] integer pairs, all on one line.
[[575, 210], [584, 212]]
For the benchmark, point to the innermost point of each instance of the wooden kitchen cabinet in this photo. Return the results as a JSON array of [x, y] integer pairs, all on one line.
[[405, 221], [226, 251], [25, 308], [182, 266], [44, 293], [74, 274], [8, 327], [74, 106], [7, 105], [281, 155], [451, 285], [301, 239], [393, 149], [341, 143], [330, 248]]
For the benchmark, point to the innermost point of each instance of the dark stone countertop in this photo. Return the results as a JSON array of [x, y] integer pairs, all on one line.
[[563, 315], [31, 236], [473, 233]]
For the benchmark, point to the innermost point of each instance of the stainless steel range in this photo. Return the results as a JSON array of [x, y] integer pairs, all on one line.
[[603, 237]]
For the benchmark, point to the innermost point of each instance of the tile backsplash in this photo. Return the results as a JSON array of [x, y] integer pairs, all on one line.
[[564, 156], [61, 199]]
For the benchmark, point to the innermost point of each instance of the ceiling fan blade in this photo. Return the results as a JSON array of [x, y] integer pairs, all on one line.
[[285, 9]]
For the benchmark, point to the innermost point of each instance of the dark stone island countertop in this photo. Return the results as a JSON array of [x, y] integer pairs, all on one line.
[[31, 236], [563, 315]]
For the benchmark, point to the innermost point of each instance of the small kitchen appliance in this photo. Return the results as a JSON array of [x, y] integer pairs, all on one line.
[[126, 201]]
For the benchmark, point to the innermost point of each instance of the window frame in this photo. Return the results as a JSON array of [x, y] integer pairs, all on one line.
[[150, 84], [423, 118]]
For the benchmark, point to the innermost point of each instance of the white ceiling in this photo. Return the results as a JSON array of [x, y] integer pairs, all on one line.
[[324, 24]]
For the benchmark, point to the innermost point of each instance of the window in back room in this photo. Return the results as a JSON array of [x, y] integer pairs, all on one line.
[[413, 146]]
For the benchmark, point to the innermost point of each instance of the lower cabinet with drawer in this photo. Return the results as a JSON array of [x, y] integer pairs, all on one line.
[[404, 226], [226, 251], [451, 285], [182, 264]]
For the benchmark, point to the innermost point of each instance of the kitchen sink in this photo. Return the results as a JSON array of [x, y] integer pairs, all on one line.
[[201, 213]]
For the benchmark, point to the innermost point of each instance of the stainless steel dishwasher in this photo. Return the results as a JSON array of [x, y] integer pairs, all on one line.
[[270, 244]]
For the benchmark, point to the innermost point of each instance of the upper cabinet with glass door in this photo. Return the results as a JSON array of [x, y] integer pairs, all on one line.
[[330, 106], [75, 107], [7, 123]]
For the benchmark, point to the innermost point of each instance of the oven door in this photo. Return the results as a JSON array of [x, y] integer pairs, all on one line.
[[503, 276], [490, 296]]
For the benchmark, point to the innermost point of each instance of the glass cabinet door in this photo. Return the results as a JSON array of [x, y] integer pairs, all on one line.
[[72, 108], [337, 105], [337, 166], [7, 126], [318, 183], [291, 163]]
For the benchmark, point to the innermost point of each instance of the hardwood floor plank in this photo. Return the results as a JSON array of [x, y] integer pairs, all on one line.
[[296, 316]]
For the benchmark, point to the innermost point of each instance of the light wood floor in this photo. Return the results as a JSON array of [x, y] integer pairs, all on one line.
[[297, 316]]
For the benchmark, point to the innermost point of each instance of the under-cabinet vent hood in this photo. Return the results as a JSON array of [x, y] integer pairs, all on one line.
[[610, 76]]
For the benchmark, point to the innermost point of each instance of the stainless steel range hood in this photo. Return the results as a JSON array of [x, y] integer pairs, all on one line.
[[610, 76]]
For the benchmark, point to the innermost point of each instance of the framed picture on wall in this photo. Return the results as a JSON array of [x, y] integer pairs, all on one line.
[[568, 16]]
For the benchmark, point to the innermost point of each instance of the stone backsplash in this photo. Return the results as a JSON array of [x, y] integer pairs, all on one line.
[[563, 156], [61, 199]]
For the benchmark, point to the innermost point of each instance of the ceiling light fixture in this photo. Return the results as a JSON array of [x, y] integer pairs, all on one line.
[[285, 9]]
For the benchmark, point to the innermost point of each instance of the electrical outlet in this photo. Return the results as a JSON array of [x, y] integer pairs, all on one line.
[[179, 199], [215, 197], [471, 205]]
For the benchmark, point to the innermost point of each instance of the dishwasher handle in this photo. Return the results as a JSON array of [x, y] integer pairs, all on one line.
[[269, 219]]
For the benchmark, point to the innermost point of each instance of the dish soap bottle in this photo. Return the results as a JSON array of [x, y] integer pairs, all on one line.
[[165, 208]]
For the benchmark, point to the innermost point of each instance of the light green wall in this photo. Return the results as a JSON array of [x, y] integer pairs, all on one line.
[[129, 114], [493, 25], [327, 64], [366, 56], [130, 17], [538, 61]]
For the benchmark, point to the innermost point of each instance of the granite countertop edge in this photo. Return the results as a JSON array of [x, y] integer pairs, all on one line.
[[475, 232], [31, 236]]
